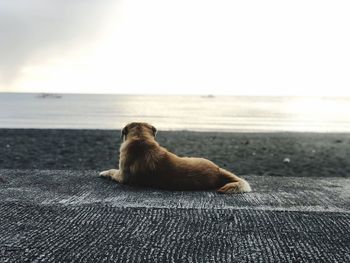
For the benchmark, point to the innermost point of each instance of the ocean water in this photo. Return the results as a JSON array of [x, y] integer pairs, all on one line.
[[198, 113]]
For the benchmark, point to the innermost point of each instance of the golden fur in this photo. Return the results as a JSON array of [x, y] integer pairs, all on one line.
[[144, 162]]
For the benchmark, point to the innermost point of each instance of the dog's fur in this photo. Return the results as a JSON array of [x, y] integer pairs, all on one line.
[[143, 162]]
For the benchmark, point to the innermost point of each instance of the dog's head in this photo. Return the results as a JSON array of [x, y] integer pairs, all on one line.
[[138, 129]]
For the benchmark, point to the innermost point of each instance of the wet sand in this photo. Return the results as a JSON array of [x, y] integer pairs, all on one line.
[[275, 154]]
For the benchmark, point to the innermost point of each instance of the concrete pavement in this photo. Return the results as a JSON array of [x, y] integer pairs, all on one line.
[[75, 216]]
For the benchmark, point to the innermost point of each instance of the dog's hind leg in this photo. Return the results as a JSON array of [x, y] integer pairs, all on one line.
[[235, 184], [114, 174]]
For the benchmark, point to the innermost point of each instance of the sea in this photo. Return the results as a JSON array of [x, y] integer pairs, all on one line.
[[195, 113]]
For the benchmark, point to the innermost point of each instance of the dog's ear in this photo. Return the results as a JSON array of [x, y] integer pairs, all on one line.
[[124, 133], [154, 130]]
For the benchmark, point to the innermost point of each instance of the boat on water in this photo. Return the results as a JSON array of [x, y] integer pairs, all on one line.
[[210, 96], [49, 96]]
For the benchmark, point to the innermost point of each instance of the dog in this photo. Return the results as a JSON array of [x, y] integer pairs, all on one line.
[[143, 162]]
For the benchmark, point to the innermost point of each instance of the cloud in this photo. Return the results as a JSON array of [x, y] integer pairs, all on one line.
[[184, 46], [36, 29]]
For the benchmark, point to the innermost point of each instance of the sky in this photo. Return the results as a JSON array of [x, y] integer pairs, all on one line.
[[176, 47]]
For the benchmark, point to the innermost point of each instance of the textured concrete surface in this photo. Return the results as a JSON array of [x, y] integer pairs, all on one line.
[[70, 216]]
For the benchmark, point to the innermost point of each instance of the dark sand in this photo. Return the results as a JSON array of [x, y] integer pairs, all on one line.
[[310, 154]]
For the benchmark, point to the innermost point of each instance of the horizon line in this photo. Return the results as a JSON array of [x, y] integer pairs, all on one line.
[[178, 94]]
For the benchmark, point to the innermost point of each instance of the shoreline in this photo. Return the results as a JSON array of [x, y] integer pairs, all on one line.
[[191, 131], [294, 154]]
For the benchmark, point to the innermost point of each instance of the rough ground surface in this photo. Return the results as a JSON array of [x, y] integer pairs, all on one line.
[[71, 216], [310, 154]]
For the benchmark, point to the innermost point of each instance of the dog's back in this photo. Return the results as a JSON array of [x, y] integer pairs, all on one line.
[[143, 162], [148, 164]]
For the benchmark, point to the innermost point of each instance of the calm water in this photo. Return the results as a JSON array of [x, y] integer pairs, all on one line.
[[261, 114]]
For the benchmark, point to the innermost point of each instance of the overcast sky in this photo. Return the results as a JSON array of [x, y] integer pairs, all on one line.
[[175, 47]]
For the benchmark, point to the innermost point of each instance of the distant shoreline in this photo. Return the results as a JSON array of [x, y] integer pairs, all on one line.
[[242, 132], [309, 154], [181, 95]]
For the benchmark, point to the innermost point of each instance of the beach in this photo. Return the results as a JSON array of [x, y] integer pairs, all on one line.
[[261, 154], [54, 206]]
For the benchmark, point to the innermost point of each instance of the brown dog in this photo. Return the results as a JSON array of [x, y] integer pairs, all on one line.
[[143, 162]]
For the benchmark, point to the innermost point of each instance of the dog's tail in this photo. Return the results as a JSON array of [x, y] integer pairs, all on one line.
[[235, 184]]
